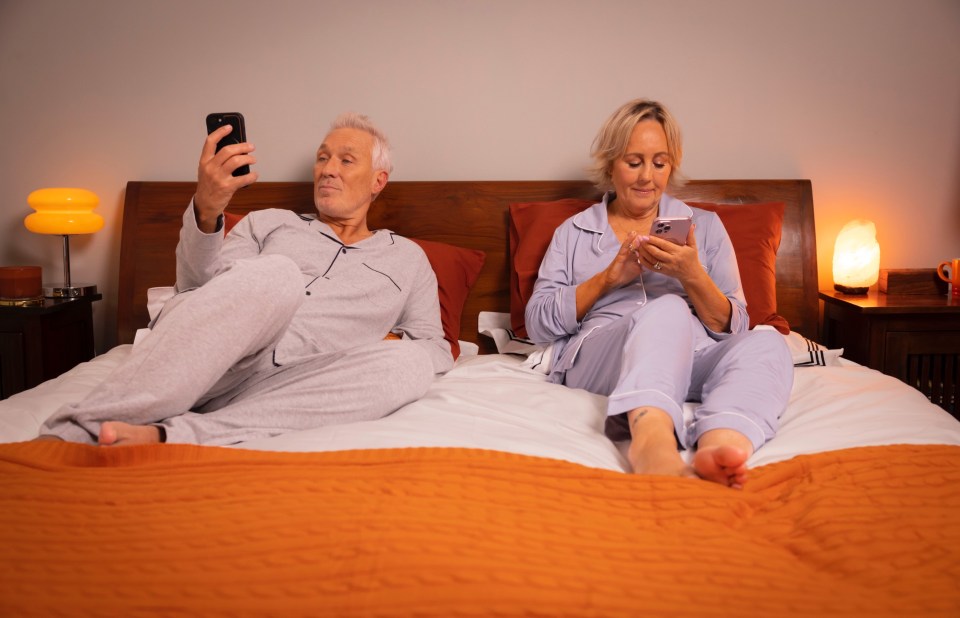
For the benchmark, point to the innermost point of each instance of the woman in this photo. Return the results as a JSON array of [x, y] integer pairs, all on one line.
[[652, 324]]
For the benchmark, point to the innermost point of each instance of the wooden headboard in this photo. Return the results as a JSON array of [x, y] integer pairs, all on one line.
[[470, 214]]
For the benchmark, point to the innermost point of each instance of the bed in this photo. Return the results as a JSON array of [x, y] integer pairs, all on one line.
[[497, 493]]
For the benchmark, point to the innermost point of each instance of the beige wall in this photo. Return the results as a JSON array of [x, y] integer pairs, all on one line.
[[860, 96]]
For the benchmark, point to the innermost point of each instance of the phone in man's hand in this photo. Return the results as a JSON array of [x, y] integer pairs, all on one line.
[[674, 229], [237, 136]]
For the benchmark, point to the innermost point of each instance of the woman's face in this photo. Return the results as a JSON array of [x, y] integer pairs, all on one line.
[[641, 174]]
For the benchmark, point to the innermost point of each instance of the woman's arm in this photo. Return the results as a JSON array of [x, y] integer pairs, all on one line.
[[622, 270], [559, 302], [718, 303], [710, 304]]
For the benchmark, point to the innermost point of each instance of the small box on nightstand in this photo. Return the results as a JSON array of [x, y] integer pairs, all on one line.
[[911, 281]]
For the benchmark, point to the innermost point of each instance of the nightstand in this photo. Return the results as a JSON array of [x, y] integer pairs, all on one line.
[[915, 338], [41, 342]]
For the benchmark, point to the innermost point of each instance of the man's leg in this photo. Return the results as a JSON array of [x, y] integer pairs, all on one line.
[[206, 338], [362, 384]]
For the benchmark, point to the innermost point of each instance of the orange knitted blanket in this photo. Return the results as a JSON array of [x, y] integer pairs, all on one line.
[[201, 531]]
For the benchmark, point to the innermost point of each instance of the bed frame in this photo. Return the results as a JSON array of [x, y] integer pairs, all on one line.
[[470, 214], [495, 494]]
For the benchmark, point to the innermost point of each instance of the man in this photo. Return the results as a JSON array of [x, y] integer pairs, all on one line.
[[288, 323]]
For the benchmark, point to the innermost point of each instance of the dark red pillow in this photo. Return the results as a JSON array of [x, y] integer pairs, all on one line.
[[754, 230], [456, 269], [531, 229]]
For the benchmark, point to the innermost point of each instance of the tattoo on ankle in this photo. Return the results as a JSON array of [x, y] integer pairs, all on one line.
[[637, 418]]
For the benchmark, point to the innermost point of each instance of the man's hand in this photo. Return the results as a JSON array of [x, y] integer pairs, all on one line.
[[215, 181]]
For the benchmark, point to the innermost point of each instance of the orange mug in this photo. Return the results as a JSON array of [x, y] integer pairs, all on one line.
[[953, 278]]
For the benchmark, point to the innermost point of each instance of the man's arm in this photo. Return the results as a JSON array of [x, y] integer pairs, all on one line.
[[420, 320], [198, 252]]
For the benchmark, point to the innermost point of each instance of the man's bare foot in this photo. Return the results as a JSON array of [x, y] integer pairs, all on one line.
[[114, 433], [47, 437], [722, 464]]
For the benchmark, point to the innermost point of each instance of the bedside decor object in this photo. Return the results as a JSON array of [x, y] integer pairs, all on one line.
[[64, 211], [912, 337], [856, 257], [43, 339], [953, 278], [911, 281], [20, 286]]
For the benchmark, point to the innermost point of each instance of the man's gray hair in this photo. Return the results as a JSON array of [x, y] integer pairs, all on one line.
[[381, 146]]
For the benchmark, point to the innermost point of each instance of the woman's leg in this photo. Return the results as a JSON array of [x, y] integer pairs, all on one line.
[[744, 385], [642, 362]]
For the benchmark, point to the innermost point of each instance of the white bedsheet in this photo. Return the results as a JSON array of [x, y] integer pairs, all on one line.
[[493, 402]]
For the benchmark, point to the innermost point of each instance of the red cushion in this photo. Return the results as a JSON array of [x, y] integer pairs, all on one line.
[[456, 269], [754, 230], [531, 229], [230, 219]]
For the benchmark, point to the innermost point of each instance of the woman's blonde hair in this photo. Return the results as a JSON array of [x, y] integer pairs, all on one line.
[[611, 141]]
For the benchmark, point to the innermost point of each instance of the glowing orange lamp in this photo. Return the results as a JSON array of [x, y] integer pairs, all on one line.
[[64, 211], [856, 257]]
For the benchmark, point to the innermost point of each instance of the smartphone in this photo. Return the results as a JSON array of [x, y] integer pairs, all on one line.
[[237, 136], [674, 229]]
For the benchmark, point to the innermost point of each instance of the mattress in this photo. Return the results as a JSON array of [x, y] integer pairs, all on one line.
[[496, 402]]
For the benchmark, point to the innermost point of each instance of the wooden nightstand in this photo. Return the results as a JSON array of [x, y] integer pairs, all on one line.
[[39, 343], [915, 338]]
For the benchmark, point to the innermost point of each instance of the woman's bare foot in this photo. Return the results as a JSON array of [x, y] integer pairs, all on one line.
[[722, 456], [722, 464], [114, 433], [653, 448]]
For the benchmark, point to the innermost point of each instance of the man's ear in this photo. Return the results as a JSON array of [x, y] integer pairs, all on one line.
[[380, 181]]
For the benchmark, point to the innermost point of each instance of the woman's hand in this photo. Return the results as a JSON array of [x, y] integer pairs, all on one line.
[[624, 268], [683, 263], [663, 256]]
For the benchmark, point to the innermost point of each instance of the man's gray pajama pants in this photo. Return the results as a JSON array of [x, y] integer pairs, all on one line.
[[206, 372]]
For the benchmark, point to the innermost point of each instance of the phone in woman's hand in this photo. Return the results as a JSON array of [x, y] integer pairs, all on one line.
[[674, 229], [237, 136]]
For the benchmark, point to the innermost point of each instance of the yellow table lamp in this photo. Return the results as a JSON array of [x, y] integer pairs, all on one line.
[[64, 211]]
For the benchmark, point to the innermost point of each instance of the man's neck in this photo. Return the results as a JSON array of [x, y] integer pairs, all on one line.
[[349, 232]]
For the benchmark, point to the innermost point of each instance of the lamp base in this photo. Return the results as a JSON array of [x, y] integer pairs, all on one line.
[[849, 290], [60, 290]]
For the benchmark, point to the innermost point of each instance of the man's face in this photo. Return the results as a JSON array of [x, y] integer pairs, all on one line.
[[344, 180]]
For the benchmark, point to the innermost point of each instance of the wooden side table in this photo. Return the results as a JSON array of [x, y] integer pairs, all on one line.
[[915, 338], [41, 342]]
